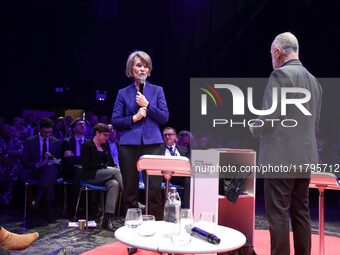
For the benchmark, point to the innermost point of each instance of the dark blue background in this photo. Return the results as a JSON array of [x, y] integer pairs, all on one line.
[[84, 44]]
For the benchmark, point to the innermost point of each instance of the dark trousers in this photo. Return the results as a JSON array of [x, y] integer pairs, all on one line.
[[112, 179], [128, 157], [284, 197], [47, 176], [72, 173]]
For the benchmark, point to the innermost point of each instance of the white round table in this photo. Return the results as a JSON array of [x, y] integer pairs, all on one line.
[[231, 239]]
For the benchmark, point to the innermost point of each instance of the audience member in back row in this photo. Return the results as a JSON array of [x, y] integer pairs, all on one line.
[[113, 145], [11, 148], [172, 149], [186, 139], [99, 168], [59, 129], [38, 159], [92, 120]]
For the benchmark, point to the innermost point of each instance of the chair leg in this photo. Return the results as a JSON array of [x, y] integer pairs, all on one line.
[[65, 200], [25, 206], [119, 204], [76, 211], [146, 187], [102, 202], [87, 207], [321, 221]]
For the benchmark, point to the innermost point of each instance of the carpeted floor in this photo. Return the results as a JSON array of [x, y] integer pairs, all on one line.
[[54, 236], [262, 241]]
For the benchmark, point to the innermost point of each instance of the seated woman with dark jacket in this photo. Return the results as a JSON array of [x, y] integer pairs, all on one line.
[[99, 168]]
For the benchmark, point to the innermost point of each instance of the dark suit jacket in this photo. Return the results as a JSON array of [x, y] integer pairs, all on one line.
[[91, 159], [32, 154], [181, 149], [70, 144], [292, 145], [148, 128]]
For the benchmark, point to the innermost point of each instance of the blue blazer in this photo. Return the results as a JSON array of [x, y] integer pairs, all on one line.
[[147, 128]]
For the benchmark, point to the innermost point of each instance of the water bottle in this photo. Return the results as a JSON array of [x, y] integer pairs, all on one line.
[[172, 210]]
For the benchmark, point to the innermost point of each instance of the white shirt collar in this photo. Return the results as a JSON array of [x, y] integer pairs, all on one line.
[[42, 139]]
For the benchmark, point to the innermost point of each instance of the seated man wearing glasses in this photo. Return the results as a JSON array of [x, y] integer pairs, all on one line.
[[100, 169], [70, 149], [170, 148]]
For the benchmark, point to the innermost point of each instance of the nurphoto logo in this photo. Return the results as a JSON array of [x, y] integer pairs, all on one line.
[[238, 99], [281, 98]]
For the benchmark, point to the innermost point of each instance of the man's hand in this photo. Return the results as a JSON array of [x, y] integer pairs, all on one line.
[[140, 114], [68, 153], [42, 163], [141, 100]]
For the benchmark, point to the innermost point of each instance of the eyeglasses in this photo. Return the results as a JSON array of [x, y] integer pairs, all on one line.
[[169, 134], [105, 134]]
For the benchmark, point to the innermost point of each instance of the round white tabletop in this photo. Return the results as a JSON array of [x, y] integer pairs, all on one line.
[[231, 239]]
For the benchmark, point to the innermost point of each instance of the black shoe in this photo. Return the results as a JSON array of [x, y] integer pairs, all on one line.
[[35, 205], [109, 224], [119, 220]]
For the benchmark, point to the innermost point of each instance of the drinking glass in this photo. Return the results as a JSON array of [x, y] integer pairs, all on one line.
[[148, 226], [186, 222], [186, 219], [133, 217]]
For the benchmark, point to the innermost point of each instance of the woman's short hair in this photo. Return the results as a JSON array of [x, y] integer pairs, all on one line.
[[144, 57], [101, 127]]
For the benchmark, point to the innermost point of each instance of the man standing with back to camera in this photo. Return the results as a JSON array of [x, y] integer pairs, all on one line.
[[287, 146]]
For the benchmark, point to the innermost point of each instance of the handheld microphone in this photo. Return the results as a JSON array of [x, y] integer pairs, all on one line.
[[204, 235], [142, 83]]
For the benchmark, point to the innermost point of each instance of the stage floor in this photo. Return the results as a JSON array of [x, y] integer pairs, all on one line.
[[54, 236]]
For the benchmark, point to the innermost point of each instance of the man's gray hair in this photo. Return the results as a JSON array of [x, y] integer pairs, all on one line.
[[288, 42]]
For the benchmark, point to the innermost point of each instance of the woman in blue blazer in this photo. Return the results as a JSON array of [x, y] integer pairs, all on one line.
[[138, 111]]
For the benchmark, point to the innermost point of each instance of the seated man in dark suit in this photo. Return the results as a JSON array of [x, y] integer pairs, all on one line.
[[170, 148], [39, 160], [70, 150]]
